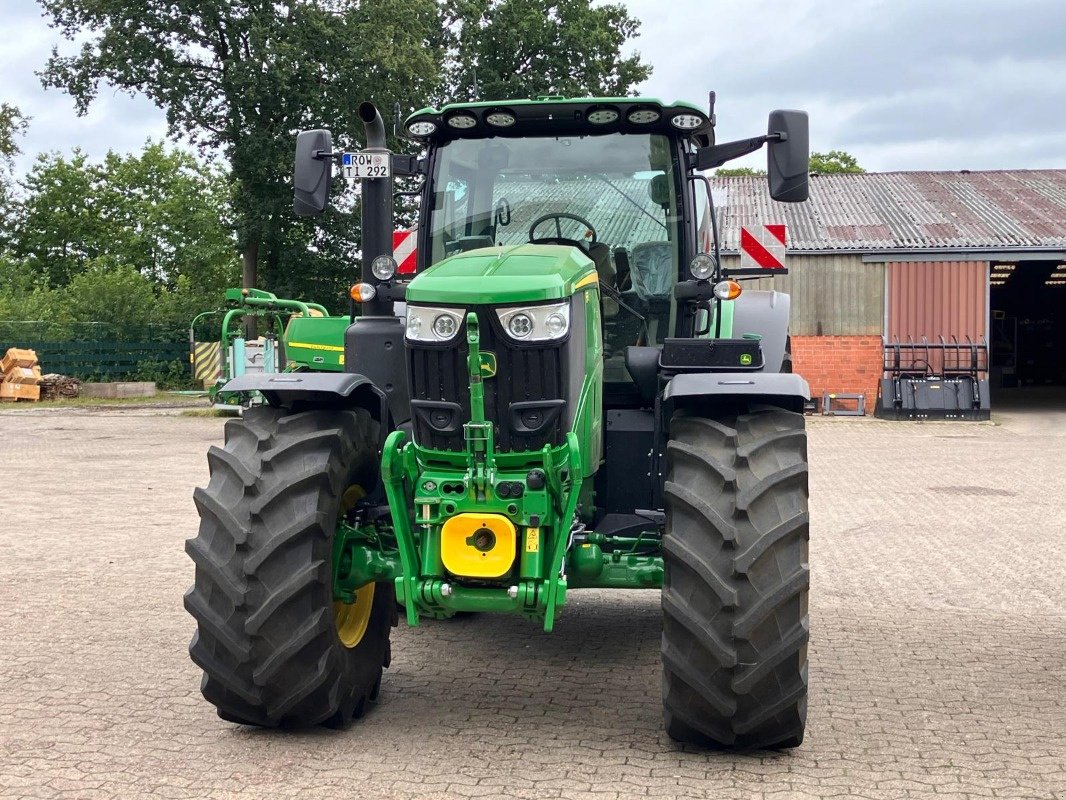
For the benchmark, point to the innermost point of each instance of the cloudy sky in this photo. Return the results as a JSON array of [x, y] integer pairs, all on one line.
[[901, 84]]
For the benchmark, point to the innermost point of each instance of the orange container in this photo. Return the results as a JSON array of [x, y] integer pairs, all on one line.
[[26, 375], [17, 357], [10, 392]]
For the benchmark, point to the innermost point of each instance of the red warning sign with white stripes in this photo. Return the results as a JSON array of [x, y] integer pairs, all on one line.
[[404, 250], [762, 247]]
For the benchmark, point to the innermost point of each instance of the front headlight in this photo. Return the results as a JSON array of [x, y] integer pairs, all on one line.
[[536, 323], [429, 324]]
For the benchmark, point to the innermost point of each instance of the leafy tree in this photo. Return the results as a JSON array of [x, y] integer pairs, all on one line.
[[731, 172], [241, 78], [12, 126], [524, 48], [62, 226], [835, 161], [110, 291], [158, 212]]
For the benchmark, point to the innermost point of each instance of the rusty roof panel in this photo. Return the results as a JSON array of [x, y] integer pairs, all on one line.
[[905, 211]]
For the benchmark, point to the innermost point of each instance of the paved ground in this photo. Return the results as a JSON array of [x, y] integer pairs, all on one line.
[[938, 657]]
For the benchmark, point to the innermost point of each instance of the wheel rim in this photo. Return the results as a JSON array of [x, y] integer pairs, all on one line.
[[352, 619]]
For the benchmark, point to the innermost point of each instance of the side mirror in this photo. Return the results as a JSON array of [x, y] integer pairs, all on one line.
[[788, 158], [311, 180], [659, 190]]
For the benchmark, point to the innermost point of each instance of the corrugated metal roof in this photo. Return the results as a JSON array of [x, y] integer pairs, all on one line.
[[999, 210]]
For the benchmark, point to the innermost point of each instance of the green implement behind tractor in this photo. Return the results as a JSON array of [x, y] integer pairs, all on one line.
[[299, 336], [575, 397]]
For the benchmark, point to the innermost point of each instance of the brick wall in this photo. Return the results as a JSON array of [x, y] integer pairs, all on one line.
[[839, 364]]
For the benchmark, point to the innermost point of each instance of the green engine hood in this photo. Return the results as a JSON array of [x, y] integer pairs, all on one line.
[[504, 275]]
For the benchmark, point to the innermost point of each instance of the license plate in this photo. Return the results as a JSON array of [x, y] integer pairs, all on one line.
[[360, 166]]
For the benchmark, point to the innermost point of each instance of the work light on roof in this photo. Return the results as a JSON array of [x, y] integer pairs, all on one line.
[[686, 122], [500, 119], [422, 128], [643, 116], [602, 116], [462, 121]]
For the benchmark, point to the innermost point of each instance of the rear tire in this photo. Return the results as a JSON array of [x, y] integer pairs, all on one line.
[[267, 639], [735, 624]]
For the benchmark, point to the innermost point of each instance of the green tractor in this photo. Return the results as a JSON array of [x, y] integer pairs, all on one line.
[[575, 397]]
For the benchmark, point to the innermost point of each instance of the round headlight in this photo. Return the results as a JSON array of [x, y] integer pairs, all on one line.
[[383, 267], [421, 128], [643, 116], [602, 116], [445, 326], [462, 121], [520, 325], [500, 119], [702, 266], [556, 324], [686, 122]]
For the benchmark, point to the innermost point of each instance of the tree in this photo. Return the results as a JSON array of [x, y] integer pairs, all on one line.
[[12, 126], [525, 48], [835, 161], [732, 172], [159, 212], [242, 78]]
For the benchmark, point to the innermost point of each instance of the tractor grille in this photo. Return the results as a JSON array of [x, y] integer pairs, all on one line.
[[532, 376]]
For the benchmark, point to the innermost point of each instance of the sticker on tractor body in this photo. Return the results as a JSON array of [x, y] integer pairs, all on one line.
[[404, 250], [762, 247], [488, 364]]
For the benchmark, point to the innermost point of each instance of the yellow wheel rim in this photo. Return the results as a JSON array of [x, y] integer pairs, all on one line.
[[352, 619]]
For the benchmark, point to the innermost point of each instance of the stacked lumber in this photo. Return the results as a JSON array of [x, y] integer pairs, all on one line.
[[56, 387], [20, 376]]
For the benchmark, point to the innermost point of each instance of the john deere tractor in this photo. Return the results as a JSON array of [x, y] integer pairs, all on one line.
[[575, 397]]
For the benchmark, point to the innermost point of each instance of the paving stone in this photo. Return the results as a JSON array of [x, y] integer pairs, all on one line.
[[937, 656]]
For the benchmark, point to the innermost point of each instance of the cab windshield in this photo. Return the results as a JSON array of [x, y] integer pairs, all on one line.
[[614, 196]]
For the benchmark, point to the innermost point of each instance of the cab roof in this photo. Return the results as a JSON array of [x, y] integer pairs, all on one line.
[[557, 115]]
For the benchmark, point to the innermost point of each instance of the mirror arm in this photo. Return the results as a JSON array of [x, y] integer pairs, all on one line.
[[405, 166], [716, 155]]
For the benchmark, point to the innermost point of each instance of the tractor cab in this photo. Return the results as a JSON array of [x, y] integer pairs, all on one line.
[[603, 177]]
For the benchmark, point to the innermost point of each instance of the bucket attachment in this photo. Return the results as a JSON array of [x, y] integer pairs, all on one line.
[[934, 380]]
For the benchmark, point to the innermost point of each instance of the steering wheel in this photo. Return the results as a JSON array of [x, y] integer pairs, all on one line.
[[559, 238]]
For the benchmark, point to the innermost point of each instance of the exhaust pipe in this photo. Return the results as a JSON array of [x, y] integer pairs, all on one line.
[[377, 209]]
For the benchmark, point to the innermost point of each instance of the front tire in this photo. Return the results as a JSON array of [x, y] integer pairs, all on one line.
[[735, 552], [274, 648]]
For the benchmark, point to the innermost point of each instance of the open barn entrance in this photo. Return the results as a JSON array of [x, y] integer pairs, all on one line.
[[1027, 327]]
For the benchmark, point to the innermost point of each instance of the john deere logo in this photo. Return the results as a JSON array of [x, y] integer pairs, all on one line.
[[745, 359], [488, 365]]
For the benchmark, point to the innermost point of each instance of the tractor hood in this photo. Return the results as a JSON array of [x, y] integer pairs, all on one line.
[[504, 275]]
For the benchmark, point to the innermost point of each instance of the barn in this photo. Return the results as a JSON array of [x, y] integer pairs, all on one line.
[[917, 256]]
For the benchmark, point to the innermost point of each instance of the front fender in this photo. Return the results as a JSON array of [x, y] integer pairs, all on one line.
[[778, 388], [315, 389]]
